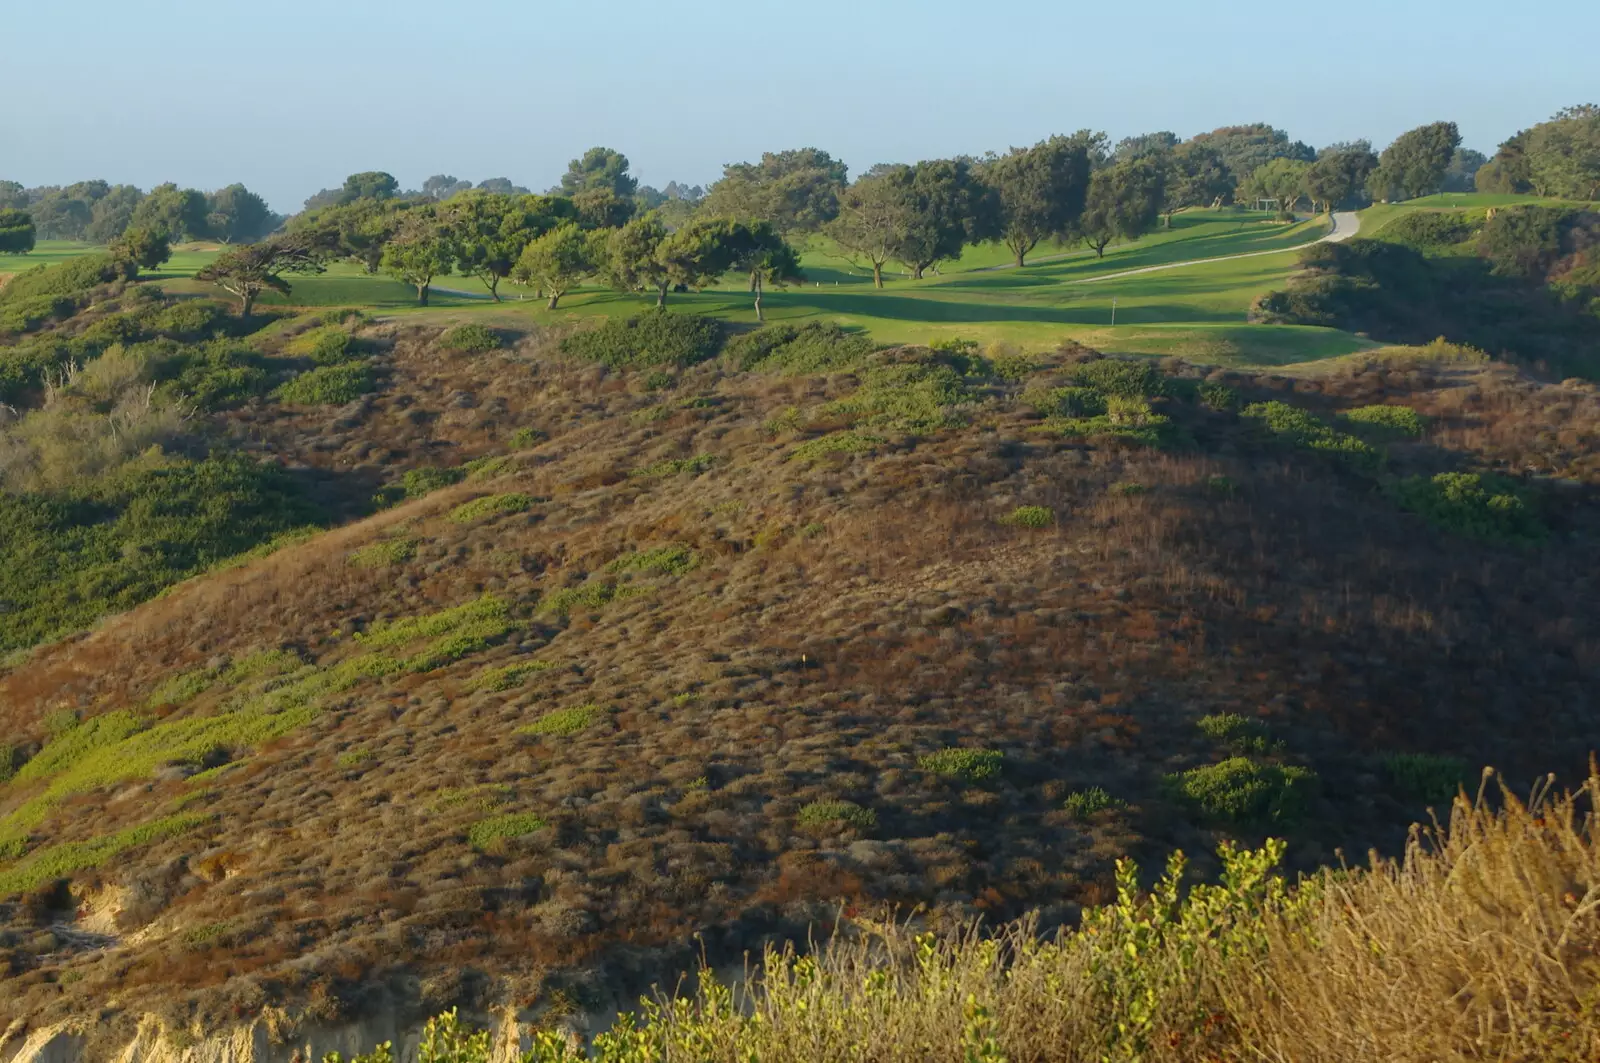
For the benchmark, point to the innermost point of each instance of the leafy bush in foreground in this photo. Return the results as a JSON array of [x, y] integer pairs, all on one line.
[[653, 339], [1030, 517], [1400, 420], [970, 765], [812, 348]]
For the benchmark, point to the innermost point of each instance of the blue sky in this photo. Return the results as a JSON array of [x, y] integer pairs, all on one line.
[[290, 96]]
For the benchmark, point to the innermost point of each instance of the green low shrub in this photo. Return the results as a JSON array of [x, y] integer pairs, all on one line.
[[70, 278], [1065, 402], [1396, 420], [1303, 431], [673, 560], [327, 385], [563, 722], [1426, 776], [675, 467], [1127, 378], [822, 815], [818, 347], [815, 450], [488, 833], [383, 553], [1245, 791], [1217, 396], [1236, 732], [1468, 504], [960, 762], [1081, 804], [653, 339], [471, 339], [1030, 517], [490, 506], [1428, 229]]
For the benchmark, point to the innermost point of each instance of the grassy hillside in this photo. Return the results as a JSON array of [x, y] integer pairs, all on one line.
[[622, 636]]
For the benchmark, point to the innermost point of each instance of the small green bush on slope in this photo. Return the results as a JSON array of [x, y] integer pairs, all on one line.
[[1399, 956], [658, 338]]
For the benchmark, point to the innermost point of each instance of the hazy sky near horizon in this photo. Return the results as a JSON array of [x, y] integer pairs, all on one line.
[[291, 96]]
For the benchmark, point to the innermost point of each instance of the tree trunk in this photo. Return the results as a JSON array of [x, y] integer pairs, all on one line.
[[877, 274], [247, 302], [755, 280], [494, 286], [1022, 258], [661, 296], [916, 272], [757, 289], [422, 293], [555, 297]]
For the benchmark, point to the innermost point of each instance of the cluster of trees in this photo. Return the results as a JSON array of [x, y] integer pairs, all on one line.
[[1560, 157], [100, 213]]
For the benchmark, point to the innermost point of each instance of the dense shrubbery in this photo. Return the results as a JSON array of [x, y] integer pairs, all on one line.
[[1427, 229], [69, 557], [653, 339], [812, 348], [327, 385], [1471, 505], [471, 339], [70, 278], [1241, 790], [1303, 431]]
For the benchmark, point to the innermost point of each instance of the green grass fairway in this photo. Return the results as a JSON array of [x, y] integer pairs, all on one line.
[[186, 258]]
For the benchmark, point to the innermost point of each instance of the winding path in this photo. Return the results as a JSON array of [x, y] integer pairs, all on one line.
[[1345, 225]]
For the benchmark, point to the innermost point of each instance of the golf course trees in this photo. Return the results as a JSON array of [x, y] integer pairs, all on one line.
[[1145, 145], [1246, 148], [758, 249], [1415, 164], [699, 253], [359, 229], [557, 262], [489, 231], [1196, 176], [179, 213], [1040, 190], [1281, 179], [16, 231], [112, 213], [633, 261], [796, 191], [1339, 175], [251, 269], [145, 248], [421, 249], [599, 168], [237, 215], [1560, 157], [369, 184], [601, 208], [1460, 175], [874, 218], [947, 207], [1124, 202]]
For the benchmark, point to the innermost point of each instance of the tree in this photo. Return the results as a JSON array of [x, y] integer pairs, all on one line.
[[145, 248], [947, 208], [179, 213], [251, 269], [1144, 146], [369, 184], [875, 218], [420, 250], [1124, 201], [1246, 148], [1461, 174], [1196, 177], [762, 252], [1563, 154], [601, 208], [599, 168], [1338, 176], [632, 260], [501, 186], [1281, 179], [442, 186], [557, 262], [359, 229], [235, 214], [1415, 164], [16, 231], [490, 230], [112, 213], [797, 191], [1040, 190], [699, 253], [13, 195]]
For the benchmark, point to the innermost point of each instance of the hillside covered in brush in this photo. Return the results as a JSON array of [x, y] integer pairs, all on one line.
[[363, 665]]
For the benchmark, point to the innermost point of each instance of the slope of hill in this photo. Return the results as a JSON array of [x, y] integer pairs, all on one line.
[[666, 647]]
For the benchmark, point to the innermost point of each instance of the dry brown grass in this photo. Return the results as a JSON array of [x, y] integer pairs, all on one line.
[[844, 618]]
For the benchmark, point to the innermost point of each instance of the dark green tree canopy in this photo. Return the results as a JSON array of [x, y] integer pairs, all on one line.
[[1196, 177], [370, 184], [601, 208], [145, 248], [1144, 145], [1338, 177], [112, 213], [16, 231], [1415, 164], [797, 191], [237, 215], [1041, 190], [1123, 203], [1246, 148], [1461, 175], [490, 230], [178, 213], [599, 168], [251, 269], [422, 248]]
